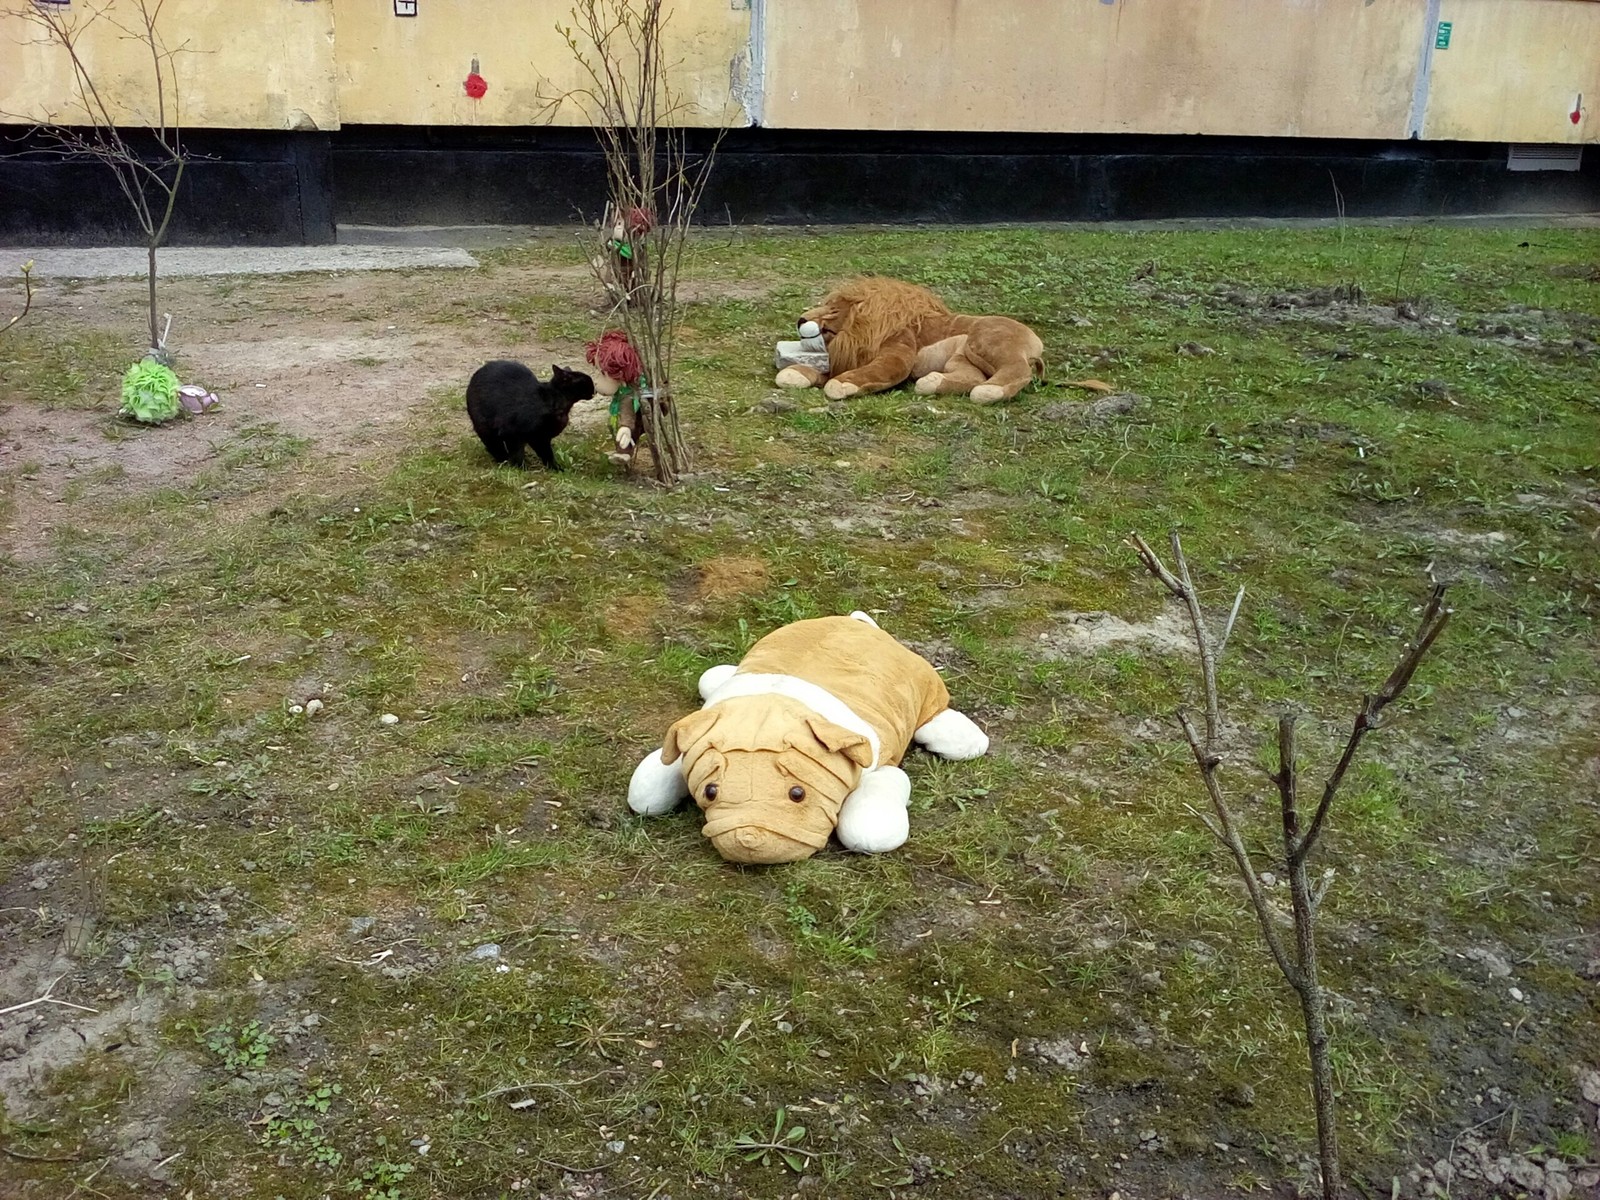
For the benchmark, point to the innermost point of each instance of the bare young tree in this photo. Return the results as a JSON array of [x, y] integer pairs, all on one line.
[[1300, 967], [148, 169], [654, 184]]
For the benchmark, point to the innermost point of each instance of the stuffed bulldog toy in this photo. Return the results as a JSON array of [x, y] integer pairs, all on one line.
[[804, 739]]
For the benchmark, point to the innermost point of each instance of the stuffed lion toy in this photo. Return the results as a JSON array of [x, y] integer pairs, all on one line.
[[804, 739], [880, 332]]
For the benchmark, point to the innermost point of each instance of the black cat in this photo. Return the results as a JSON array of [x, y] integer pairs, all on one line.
[[512, 408]]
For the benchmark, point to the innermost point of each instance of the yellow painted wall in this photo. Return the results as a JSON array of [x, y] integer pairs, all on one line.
[[246, 65], [410, 71], [299, 64], [1290, 68], [1514, 70], [1282, 68]]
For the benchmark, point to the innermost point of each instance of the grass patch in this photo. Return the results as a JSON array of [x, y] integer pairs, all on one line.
[[437, 956]]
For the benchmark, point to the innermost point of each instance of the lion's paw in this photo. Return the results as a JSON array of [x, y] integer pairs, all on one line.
[[792, 377], [928, 385], [837, 389], [988, 393]]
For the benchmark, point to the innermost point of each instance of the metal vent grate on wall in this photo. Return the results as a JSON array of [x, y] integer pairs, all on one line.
[[1544, 158]]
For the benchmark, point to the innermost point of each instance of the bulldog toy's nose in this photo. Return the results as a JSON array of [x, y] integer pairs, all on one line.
[[753, 845]]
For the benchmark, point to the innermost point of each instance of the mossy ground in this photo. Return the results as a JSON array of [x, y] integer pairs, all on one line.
[[1055, 988]]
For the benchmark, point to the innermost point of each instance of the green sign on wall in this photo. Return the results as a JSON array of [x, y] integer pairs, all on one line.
[[1442, 41]]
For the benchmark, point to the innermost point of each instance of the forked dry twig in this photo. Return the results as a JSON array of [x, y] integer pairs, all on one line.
[[48, 998], [27, 297], [1300, 968]]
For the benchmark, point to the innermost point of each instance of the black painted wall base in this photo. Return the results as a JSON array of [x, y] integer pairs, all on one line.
[[294, 188], [239, 188], [436, 177]]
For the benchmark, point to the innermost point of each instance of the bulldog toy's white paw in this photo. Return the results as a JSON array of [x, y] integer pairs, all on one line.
[[988, 393], [714, 678], [952, 735], [657, 787], [874, 819], [790, 377], [858, 615], [929, 383], [838, 389]]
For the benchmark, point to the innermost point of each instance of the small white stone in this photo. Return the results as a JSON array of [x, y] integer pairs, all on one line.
[[1516, 994], [296, 709], [389, 719], [313, 707]]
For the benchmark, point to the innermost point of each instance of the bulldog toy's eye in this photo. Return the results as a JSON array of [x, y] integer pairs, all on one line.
[[797, 793], [711, 791]]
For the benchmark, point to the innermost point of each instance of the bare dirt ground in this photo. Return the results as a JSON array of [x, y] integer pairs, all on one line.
[[338, 363]]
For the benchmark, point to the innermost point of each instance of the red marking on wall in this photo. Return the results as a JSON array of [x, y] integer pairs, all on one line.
[[1576, 114], [476, 86]]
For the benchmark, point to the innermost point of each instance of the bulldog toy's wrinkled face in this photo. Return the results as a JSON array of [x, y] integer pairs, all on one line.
[[769, 774]]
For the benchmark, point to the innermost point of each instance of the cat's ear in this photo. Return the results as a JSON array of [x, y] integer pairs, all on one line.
[[555, 371]]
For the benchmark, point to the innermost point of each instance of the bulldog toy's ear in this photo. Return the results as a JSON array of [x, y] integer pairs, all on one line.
[[842, 741], [685, 732]]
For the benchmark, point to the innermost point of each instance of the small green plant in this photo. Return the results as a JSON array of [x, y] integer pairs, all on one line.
[[240, 1052], [1573, 1145], [382, 1180], [783, 1145], [239, 780], [954, 1006], [844, 939], [911, 1170], [1057, 490], [297, 1126]]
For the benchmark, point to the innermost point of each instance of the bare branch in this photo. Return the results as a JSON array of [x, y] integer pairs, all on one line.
[[1228, 835], [1227, 630], [149, 182], [653, 188], [48, 998], [1182, 587], [1288, 786], [1302, 972], [1321, 889], [1434, 618], [27, 297]]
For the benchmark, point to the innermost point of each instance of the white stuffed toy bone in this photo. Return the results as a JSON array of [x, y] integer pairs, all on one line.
[[809, 351], [803, 738]]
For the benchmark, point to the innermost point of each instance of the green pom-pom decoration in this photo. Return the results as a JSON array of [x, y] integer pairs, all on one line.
[[150, 393]]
